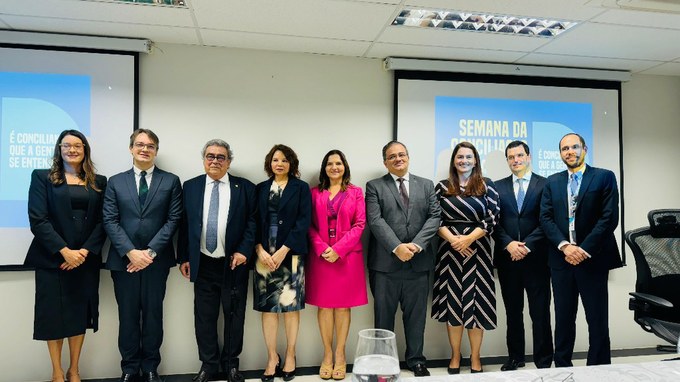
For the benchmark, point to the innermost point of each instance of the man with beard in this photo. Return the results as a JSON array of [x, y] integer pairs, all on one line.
[[579, 214]]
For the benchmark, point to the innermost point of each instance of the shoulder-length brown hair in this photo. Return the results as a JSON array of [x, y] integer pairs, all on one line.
[[324, 180], [290, 156], [88, 172], [475, 185]]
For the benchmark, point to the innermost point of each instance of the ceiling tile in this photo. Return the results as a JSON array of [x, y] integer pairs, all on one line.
[[283, 43], [586, 62], [152, 32], [666, 69], [309, 18], [644, 19], [459, 39], [559, 9], [612, 41], [99, 11], [383, 50]]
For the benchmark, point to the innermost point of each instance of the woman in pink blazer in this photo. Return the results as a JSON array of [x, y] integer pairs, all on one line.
[[335, 279]]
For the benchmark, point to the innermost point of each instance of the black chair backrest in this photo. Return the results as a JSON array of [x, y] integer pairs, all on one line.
[[657, 259]]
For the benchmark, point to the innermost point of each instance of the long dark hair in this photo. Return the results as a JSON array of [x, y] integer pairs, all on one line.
[[324, 180], [88, 172], [475, 185], [290, 156]]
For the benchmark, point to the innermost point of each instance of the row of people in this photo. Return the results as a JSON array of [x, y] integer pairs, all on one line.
[[293, 236]]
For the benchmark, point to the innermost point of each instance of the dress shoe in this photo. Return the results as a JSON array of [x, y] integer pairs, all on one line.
[[289, 375], [512, 365], [476, 371], [234, 375], [152, 376], [202, 376], [127, 377], [277, 372], [420, 370]]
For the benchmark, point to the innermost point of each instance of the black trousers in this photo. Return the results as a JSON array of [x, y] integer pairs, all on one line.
[[140, 317], [214, 286], [568, 284], [515, 278], [410, 290]]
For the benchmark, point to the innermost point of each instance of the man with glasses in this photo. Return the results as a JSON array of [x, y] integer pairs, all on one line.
[[579, 214], [215, 244], [521, 258], [142, 211], [403, 215]]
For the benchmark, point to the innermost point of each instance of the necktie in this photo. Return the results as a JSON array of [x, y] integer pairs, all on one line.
[[402, 192], [143, 188], [211, 229], [520, 194]]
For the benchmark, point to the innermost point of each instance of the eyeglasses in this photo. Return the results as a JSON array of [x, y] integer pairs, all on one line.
[[219, 158], [68, 146], [141, 146], [394, 157], [572, 147]]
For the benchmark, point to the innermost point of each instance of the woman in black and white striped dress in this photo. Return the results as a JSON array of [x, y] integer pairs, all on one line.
[[464, 290]]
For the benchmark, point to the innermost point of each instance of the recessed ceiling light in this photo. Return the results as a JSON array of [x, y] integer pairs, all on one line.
[[482, 22]]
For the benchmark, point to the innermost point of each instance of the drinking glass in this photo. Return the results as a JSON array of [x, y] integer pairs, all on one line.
[[376, 358]]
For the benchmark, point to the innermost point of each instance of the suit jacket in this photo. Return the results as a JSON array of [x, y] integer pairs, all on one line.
[[597, 215], [523, 225], [51, 219], [350, 223], [391, 224], [131, 226], [294, 215], [240, 231]]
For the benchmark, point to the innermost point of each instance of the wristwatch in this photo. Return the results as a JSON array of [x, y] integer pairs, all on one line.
[[152, 253]]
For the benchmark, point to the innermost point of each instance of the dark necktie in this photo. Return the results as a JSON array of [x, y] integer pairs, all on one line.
[[143, 188], [402, 192], [520, 194], [213, 210]]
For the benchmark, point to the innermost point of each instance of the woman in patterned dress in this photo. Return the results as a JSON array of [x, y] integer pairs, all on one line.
[[284, 215], [464, 290]]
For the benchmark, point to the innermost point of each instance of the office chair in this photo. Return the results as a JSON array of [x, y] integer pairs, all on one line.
[[656, 300]]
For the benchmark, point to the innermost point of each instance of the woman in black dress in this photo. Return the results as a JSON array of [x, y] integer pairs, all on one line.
[[65, 213], [464, 291], [284, 215]]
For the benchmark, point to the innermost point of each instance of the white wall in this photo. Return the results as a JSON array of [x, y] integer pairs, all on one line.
[[312, 103]]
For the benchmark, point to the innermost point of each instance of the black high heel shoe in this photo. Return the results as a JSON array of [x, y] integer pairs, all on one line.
[[480, 370], [454, 370], [289, 375], [277, 372]]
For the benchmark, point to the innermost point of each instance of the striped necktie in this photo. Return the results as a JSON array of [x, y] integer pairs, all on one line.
[[213, 211]]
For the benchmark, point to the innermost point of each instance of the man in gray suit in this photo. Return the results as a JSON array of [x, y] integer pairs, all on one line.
[[403, 215]]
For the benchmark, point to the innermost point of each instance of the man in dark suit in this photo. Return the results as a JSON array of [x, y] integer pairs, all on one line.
[[579, 214], [521, 258], [403, 215], [216, 240], [142, 211]]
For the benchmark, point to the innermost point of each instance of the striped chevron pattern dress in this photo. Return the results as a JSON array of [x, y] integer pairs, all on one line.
[[464, 288]]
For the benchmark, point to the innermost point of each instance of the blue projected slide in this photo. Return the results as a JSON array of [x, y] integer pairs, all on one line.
[[490, 124], [34, 109]]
